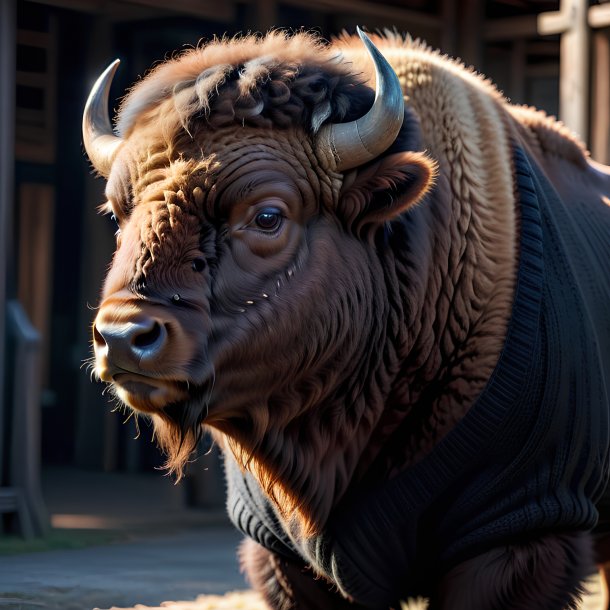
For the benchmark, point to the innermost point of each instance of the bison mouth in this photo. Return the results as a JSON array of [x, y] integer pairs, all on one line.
[[148, 394], [177, 409]]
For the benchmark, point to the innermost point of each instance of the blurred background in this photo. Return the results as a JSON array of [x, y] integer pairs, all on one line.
[[66, 458]]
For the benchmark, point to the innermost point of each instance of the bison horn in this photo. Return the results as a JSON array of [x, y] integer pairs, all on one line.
[[359, 141], [100, 142]]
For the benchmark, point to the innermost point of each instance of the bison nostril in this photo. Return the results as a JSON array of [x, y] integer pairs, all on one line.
[[130, 344], [148, 338]]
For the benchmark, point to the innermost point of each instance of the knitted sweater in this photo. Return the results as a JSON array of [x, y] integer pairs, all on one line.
[[531, 455]]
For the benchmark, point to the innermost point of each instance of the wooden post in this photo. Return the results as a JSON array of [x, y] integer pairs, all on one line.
[[600, 111], [571, 23], [266, 14], [599, 17], [97, 435], [34, 286], [470, 22], [8, 37], [448, 30], [518, 59], [24, 461]]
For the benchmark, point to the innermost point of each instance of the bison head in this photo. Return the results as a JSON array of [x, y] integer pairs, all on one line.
[[251, 182]]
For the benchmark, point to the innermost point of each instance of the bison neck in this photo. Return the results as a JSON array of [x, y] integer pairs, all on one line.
[[455, 262], [448, 291], [307, 464], [436, 345], [448, 269]]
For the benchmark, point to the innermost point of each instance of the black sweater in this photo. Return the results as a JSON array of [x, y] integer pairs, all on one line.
[[531, 455]]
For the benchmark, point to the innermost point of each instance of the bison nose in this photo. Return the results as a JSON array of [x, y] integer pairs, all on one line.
[[129, 345]]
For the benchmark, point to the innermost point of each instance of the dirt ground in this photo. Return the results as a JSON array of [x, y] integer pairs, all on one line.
[[248, 600], [164, 552], [237, 600]]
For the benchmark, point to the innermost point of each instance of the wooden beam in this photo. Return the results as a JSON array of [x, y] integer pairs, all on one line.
[[599, 16], [543, 70], [470, 22], [448, 33], [36, 213], [571, 23], [543, 48], [8, 28], [574, 69], [96, 432], [556, 22], [510, 28], [518, 60], [83, 6], [266, 14], [124, 10], [206, 9], [600, 113], [392, 14]]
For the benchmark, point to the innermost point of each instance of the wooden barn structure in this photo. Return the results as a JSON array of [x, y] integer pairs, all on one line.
[[54, 249]]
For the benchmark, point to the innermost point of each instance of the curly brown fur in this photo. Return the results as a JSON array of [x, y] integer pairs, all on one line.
[[285, 585], [546, 573], [279, 81]]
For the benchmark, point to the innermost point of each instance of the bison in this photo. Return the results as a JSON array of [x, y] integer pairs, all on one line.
[[386, 292]]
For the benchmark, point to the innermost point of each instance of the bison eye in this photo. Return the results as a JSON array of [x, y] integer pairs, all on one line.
[[198, 265], [268, 219]]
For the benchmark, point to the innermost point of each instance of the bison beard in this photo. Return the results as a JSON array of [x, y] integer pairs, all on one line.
[[178, 430], [395, 338]]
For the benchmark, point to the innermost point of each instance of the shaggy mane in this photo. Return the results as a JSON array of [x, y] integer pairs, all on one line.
[[278, 80], [284, 79]]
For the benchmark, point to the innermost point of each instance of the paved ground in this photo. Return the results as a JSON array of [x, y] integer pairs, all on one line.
[[161, 550], [163, 556], [180, 566]]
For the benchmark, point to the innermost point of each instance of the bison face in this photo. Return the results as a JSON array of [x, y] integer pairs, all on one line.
[[212, 267], [248, 287], [239, 292]]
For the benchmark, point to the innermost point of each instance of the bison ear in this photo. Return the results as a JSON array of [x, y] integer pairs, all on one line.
[[383, 189]]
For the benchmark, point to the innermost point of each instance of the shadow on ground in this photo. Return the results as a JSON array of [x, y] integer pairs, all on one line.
[[124, 541], [119, 540]]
